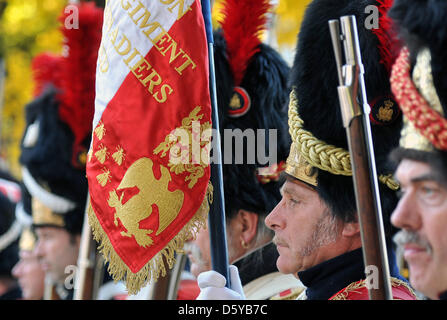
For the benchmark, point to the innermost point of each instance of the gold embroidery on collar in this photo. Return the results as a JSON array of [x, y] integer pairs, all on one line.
[[353, 287]]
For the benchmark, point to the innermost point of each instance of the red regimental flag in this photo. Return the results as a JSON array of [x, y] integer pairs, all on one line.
[[148, 165]]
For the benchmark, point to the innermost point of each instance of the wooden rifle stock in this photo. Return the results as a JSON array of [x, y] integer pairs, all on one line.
[[166, 287], [355, 112], [50, 290], [85, 275], [367, 211]]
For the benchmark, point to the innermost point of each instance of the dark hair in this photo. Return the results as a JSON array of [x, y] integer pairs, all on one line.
[[437, 160]]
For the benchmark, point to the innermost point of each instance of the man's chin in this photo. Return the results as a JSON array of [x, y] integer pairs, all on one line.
[[421, 281], [54, 278], [198, 269], [285, 267]]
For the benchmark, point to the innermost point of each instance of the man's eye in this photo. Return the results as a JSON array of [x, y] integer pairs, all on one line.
[[427, 190], [431, 195], [428, 193], [44, 236], [294, 201]]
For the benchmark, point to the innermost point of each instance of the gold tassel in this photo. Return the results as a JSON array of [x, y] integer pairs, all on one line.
[[152, 270]]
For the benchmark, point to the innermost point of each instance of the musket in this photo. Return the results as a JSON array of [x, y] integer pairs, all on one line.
[[49, 292], [355, 113], [216, 216], [85, 275], [166, 287]]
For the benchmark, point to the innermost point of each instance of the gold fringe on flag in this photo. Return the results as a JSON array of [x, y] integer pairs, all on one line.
[[152, 270]]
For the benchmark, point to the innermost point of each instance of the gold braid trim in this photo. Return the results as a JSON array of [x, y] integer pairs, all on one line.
[[317, 152], [389, 181], [320, 154], [343, 295], [151, 271]]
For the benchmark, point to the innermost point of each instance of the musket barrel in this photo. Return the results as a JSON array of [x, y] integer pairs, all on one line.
[[334, 28], [86, 263], [355, 110]]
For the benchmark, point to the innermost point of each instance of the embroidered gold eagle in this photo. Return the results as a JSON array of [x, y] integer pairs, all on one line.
[[139, 207]]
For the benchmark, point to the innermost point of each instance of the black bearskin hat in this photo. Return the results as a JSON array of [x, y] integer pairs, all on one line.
[[314, 80], [252, 93], [10, 227], [419, 81], [58, 126]]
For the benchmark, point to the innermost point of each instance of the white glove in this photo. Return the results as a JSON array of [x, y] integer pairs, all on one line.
[[212, 286]]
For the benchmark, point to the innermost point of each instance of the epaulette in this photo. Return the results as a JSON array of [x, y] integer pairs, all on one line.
[[358, 291]]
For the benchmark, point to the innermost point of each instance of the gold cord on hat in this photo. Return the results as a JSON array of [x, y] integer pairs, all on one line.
[[318, 153]]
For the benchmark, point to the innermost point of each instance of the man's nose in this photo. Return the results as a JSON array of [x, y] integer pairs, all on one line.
[[275, 218], [406, 215], [17, 270], [39, 249]]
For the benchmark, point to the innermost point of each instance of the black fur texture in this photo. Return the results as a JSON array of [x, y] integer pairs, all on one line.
[[49, 160], [315, 78], [420, 24], [266, 82], [9, 255], [423, 23]]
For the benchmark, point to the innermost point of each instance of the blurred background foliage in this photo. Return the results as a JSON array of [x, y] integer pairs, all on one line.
[[30, 27], [27, 28]]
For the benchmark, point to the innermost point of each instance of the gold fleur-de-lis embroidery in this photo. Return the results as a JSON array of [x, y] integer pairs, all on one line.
[[102, 154], [104, 177], [118, 156], [100, 131]]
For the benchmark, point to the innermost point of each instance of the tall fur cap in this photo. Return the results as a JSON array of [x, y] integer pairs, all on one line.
[[315, 78], [265, 81]]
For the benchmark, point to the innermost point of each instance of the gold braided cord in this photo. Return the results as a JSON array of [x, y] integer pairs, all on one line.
[[318, 153], [389, 181]]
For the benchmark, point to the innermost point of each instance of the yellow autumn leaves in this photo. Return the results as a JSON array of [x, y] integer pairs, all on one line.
[[27, 28]]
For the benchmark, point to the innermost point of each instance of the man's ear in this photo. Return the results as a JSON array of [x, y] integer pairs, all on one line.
[[351, 229], [249, 224]]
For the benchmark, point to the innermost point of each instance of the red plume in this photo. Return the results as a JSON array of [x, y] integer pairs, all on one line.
[[46, 69], [242, 24], [387, 35], [79, 70]]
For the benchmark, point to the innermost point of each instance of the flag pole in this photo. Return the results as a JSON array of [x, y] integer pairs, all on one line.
[[216, 216]]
